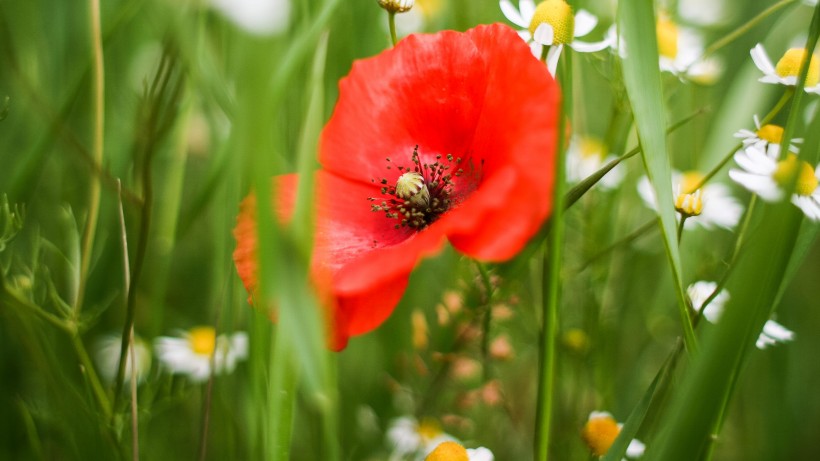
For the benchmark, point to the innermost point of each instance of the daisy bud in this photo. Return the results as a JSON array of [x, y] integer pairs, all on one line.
[[600, 432], [396, 6], [448, 451], [789, 66], [558, 14], [771, 133], [411, 186], [689, 204]]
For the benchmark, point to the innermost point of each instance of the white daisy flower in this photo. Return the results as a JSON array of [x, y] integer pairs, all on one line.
[[260, 17], [107, 355], [766, 138], [585, 156], [197, 349], [600, 432], [707, 207], [453, 451], [553, 25], [396, 6], [410, 439], [772, 334], [679, 52], [768, 178], [785, 73], [699, 292], [710, 13]]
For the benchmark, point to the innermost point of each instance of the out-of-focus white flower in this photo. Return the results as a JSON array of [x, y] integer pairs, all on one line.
[[772, 334], [107, 355], [787, 69], [585, 156], [260, 17], [552, 24], [769, 178], [766, 138], [454, 451], [679, 52], [708, 13], [700, 291], [409, 438], [194, 352], [710, 206], [417, 18], [600, 432]]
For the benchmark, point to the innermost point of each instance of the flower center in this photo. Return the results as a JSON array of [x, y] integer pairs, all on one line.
[[599, 433], [448, 451], [689, 204], [592, 148], [558, 14], [789, 66], [202, 340], [806, 180], [770, 133], [689, 181], [667, 37], [429, 429], [421, 194]]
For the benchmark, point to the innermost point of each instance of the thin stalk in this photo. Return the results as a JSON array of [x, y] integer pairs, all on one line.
[[680, 228], [552, 276], [98, 102], [740, 31], [135, 435], [487, 320], [88, 371], [391, 21]]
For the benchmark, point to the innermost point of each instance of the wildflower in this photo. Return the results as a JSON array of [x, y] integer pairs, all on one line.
[[585, 156], [679, 51], [416, 19], [600, 432], [197, 349], [769, 178], [453, 451], [766, 138], [699, 292], [396, 6], [477, 127], [553, 25], [772, 334], [711, 205], [787, 68], [260, 17], [409, 438], [108, 358]]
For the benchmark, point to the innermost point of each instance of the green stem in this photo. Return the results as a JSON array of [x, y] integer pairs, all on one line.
[[744, 28], [88, 371], [391, 20], [98, 102], [552, 275], [487, 320], [680, 228]]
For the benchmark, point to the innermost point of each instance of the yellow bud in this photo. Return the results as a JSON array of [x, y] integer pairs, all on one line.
[[396, 6], [667, 37], [448, 451], [689, 204], [202, 340], [558, 14], [789, 66], [599, 433]]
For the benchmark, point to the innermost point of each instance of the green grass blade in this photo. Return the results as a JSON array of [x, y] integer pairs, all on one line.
[[643, 84]]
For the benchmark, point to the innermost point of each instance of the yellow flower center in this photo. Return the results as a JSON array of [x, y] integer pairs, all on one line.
[[428, 7], [590, 147], [667, 37], [689, 181], [770, 133], [789, 66], [202, 340], [599, 433], [806, 180], [429, 429], [558, 14], [448, 451], [576, 340], [689, 204]]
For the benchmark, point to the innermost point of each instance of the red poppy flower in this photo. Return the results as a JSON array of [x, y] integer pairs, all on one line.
[[449, 136]]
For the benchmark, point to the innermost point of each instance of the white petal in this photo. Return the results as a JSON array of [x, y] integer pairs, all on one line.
[[479, 454], [262, 17], [765, 187], [512, 14], [635, 449], [586, 47], [761, 59], [552, 58], [584, 23], [525, 35], [527, 8], [535, 49], [544, 34]]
